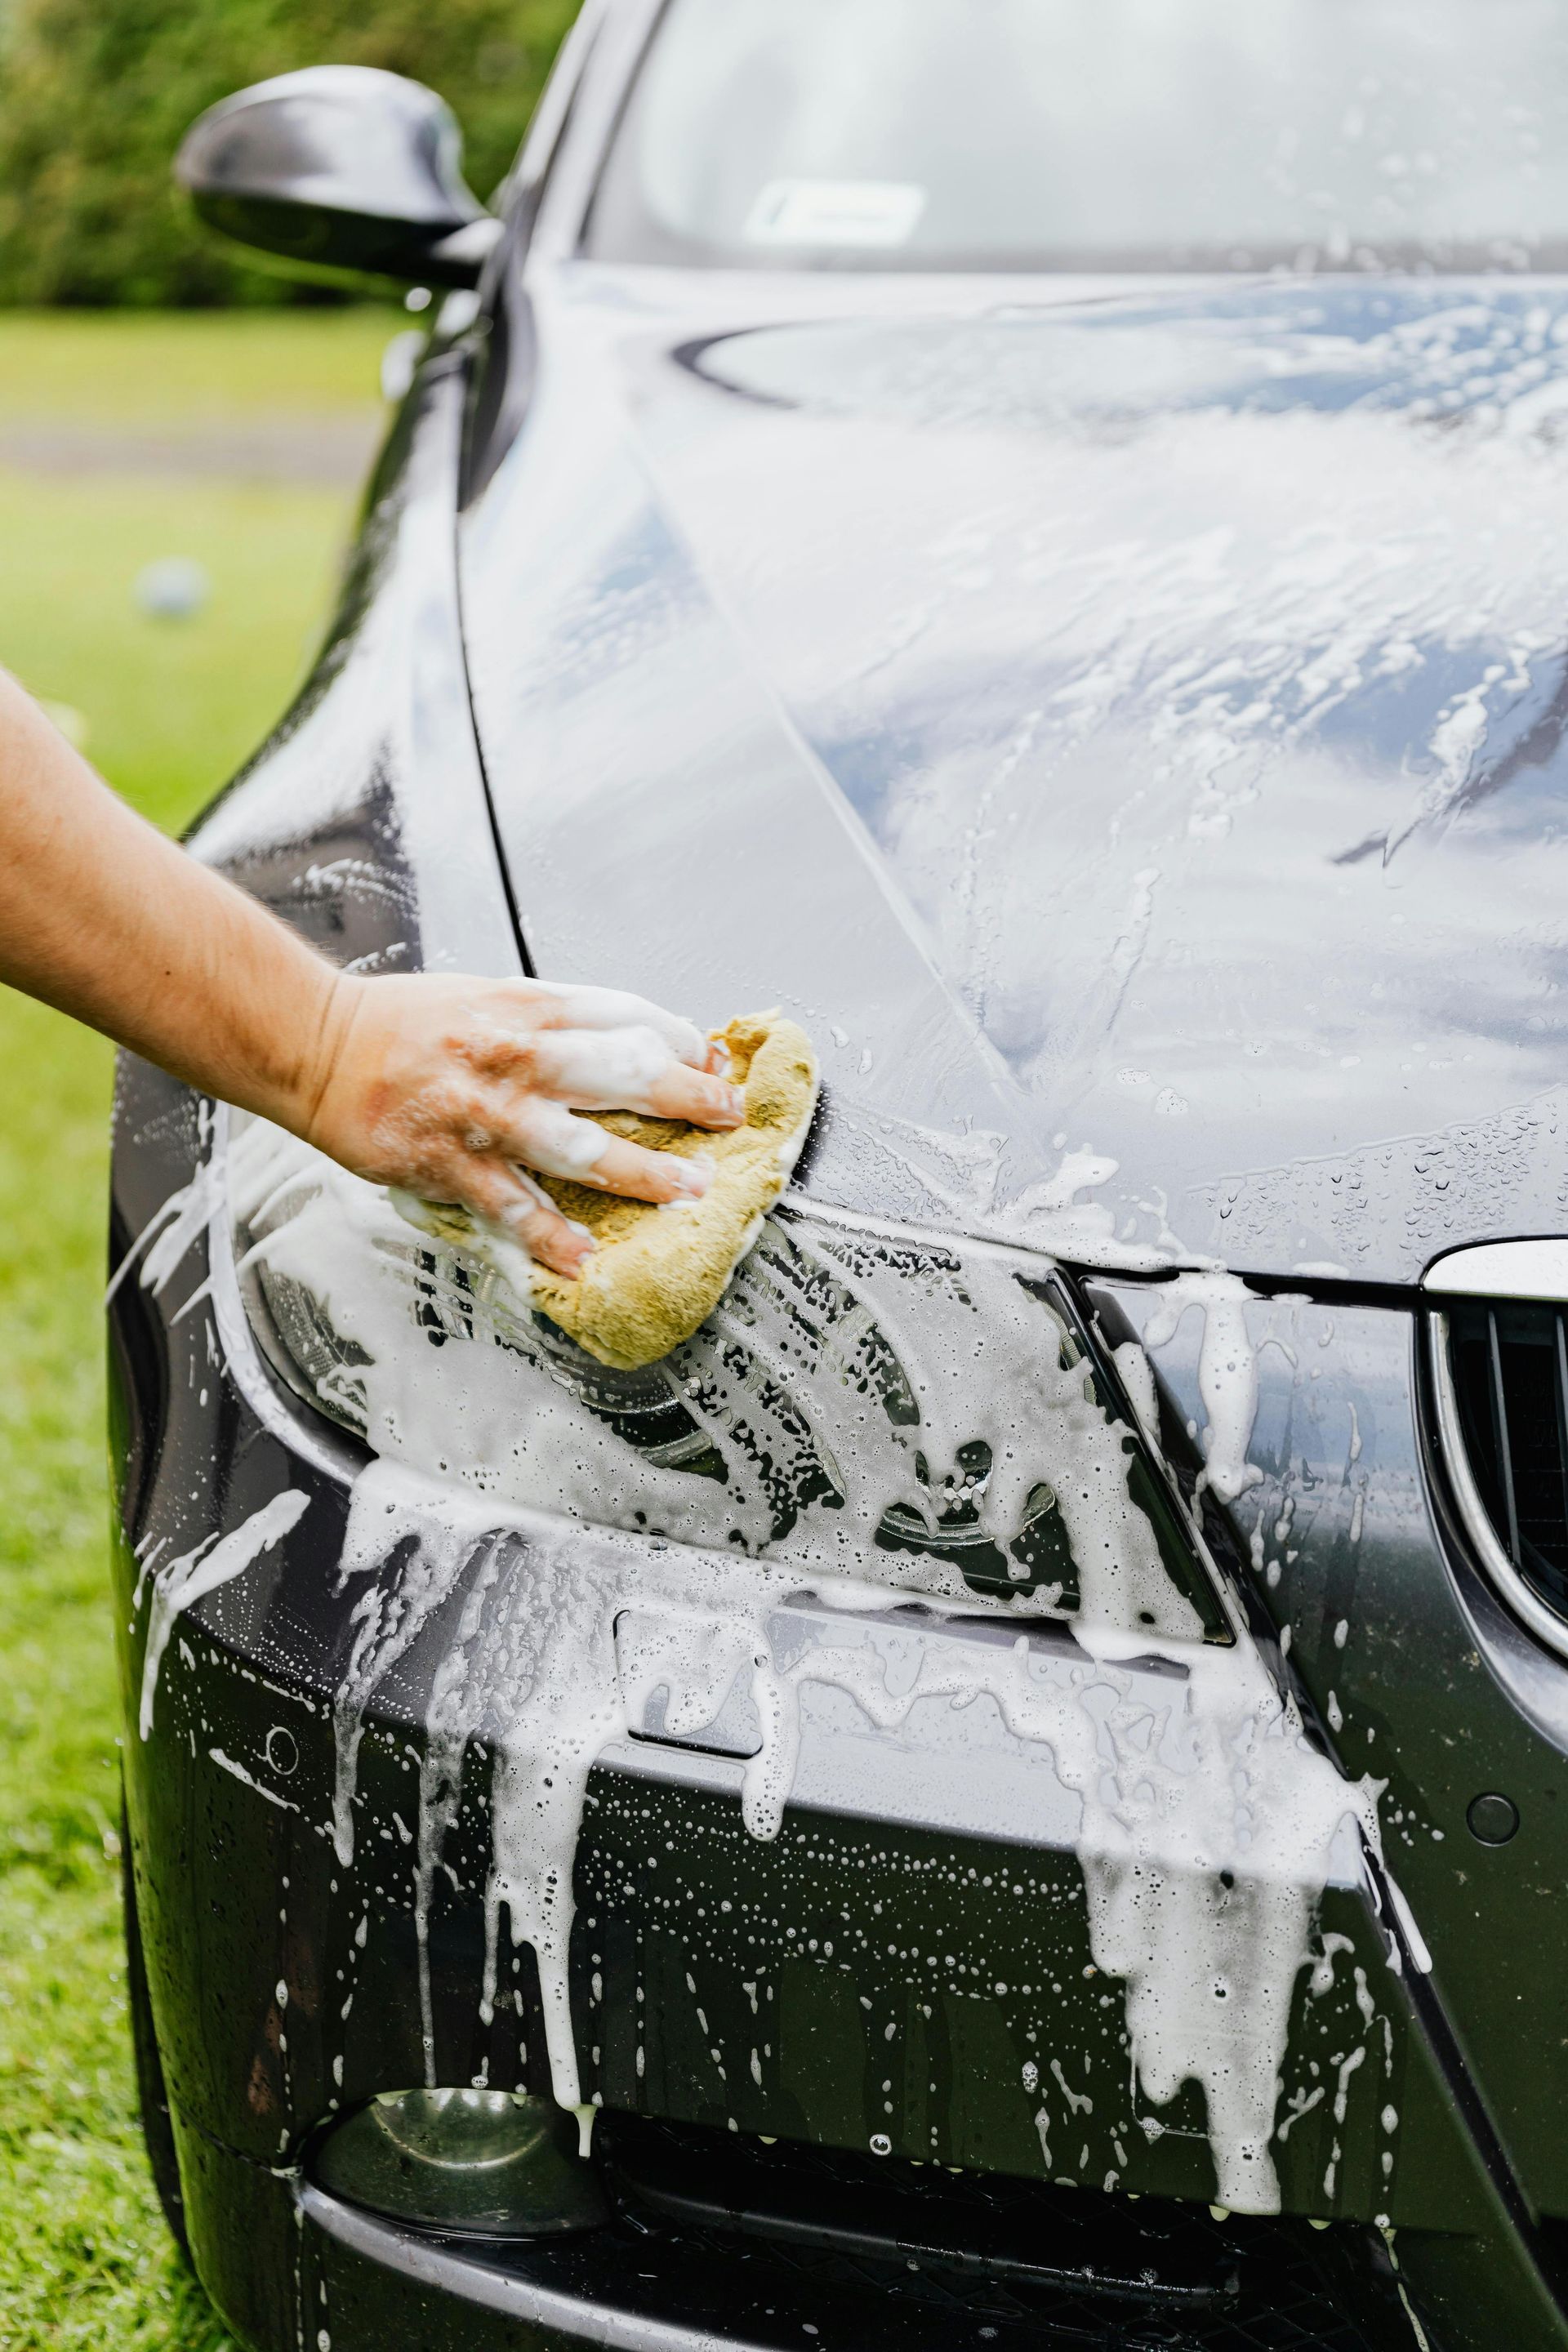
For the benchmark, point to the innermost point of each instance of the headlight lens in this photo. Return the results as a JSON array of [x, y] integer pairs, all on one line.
[[860, 1391]]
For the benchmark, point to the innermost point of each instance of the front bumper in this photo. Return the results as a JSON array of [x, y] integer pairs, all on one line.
[[288, 2262], [903, 1968]]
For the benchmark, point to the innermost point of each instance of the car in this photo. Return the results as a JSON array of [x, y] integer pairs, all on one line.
[[1012, 1789]]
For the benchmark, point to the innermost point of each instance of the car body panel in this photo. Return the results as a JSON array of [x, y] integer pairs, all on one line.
[[1352, 1534], [1146, 706]]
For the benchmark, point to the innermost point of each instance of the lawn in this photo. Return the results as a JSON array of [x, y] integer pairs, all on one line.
[[167, 710], [178, 368]]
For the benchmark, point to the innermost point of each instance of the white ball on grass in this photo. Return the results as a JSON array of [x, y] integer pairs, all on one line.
[[174, 588]]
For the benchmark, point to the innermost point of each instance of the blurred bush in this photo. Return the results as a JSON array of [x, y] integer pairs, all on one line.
[[95, 96]]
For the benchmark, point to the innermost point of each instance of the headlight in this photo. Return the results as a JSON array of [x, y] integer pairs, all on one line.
[[859, 1391]]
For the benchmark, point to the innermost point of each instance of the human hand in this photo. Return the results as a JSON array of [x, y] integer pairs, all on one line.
[[454, 1089]]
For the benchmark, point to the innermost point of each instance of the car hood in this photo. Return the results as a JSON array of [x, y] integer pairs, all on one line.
[[1127, 725]]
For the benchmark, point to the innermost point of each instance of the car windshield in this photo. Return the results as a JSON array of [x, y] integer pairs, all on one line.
[[1096, 135]]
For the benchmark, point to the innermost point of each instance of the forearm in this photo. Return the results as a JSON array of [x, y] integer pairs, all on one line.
[[103, 917], [446, 1087]]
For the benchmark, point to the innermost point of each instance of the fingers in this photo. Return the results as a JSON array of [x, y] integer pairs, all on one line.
[[693, 1095], [605, 1049], [544, 1136], [518, 1213], [510, 1071], [630, 1069], [616, 1008], [639, 1175]]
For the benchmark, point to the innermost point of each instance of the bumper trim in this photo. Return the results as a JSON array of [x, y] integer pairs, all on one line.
[[447, 2272]]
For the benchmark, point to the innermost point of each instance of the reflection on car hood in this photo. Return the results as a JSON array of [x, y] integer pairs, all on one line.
[[1137, 721]]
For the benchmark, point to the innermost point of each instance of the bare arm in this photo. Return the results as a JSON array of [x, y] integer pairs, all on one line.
[[451, 1088]]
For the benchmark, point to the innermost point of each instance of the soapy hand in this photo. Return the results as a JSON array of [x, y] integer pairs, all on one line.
[[454, 1090]]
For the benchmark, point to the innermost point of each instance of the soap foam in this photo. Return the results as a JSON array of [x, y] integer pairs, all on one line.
[[1205, 1837], [869, 1363], [1206, 1828], [200, 1571], [1227, 1371]]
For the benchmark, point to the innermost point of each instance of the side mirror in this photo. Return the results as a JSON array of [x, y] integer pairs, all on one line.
[[341, 168]]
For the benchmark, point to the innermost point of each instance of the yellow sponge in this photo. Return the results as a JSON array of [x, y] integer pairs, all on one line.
[[658, 1273]]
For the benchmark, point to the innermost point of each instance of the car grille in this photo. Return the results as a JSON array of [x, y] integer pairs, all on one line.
[[1019, 2257], [1509, 1363]]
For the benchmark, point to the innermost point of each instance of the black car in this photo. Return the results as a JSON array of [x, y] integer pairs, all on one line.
[[1013, 1790]]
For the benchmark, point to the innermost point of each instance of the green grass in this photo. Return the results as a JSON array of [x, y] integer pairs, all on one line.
[[169, 710], [141, 368]]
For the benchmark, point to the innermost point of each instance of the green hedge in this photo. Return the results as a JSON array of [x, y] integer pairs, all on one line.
[[95, 96]]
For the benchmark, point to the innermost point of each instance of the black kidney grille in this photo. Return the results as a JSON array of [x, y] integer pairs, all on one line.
[[1511, 1376]]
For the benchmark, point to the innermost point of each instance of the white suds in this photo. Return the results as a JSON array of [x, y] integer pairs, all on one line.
[[1138, 1380], [1227, 1371], [882, 1362], [1205, 1834], [1206, 1824], [169, 1231], [195, 1573]]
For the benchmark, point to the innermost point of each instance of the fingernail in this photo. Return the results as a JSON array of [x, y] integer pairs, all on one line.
[[735, 1104], [692, 1176]]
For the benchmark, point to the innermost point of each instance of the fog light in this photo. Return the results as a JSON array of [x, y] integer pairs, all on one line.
[[498, 2163]]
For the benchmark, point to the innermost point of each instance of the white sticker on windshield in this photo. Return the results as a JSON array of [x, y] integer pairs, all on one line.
[[835, 212]]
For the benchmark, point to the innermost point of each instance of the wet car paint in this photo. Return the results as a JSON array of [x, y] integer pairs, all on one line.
[[1152, 702]]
